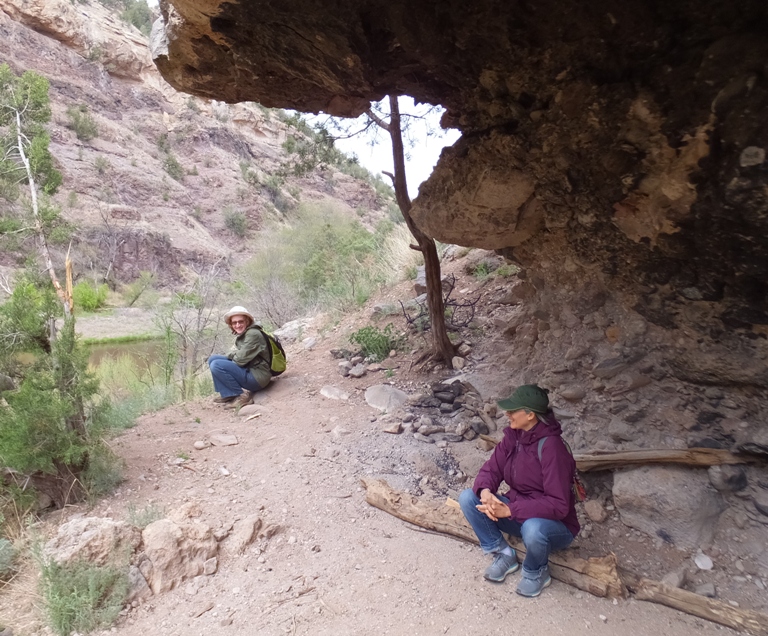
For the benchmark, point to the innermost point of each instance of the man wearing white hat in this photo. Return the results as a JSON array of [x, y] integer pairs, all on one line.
[[245, 369]]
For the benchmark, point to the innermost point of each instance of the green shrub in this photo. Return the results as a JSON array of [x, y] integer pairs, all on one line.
[[7, 558], [138, 13], [163, 143], [236, 222], [81, 596], [482, 271], [82, 122], [376, 343], [101, 164], [89, 297], [141, 518], [173, 167], [138, 288]]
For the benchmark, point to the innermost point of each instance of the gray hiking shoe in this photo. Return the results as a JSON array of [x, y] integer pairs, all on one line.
[[533, 581], [502, 565]]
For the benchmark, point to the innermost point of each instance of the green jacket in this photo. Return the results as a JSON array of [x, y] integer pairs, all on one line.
[[251, 351]]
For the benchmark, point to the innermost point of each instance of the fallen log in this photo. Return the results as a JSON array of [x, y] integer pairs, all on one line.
[[597, 575], [697, 605], [703, 457]]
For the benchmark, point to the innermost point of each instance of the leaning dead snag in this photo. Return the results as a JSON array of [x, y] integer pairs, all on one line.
[[596, 575]]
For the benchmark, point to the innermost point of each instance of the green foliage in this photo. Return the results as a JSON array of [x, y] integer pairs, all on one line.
[[82, 122], [376, 343], [101, 164], [173, 167], [133, 291], [138, 13], [7, 558], [89, 297], [24, 111], [163, 143], [236, 222], [81, 596], [141, 518], [482, 271], [322, 258], [506, 270]]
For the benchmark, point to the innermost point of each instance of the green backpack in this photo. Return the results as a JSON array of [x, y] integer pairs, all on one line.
[[277, 360]]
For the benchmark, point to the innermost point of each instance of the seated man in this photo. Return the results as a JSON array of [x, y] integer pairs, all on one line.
[[245, 369]]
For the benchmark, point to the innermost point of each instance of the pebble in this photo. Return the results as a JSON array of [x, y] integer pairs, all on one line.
[[423, 438], [703, 562], [199, 445], [603, 618], [224, 472], [221, 439]]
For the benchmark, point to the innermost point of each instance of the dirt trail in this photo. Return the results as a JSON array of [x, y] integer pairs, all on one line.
[[338, 566]]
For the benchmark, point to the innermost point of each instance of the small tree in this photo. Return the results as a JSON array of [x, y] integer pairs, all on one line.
[[443, 348], [24, 111], [44, 430], [191, 325]]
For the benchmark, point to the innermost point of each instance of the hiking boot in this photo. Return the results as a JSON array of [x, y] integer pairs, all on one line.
[[533, 581], [246, 397], [224, 400], [502, 565]]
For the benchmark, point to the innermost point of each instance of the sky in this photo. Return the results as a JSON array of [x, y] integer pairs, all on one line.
[[374, 149]]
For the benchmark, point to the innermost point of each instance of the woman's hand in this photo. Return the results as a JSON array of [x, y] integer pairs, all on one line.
[[493, 507]]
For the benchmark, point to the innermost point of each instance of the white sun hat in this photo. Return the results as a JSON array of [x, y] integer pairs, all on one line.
[[237, 310]]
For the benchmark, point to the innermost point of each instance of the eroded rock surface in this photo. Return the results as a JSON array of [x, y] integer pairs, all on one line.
[[617, 151]]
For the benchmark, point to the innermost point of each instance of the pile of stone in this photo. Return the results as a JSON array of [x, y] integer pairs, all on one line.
[[449, 412], [166, 553]]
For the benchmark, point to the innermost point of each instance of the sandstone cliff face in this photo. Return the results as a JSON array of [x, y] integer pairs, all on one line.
[[614, 149], [130, 212]]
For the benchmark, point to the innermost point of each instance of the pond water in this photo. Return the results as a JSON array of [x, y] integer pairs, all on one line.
[[144, 354]]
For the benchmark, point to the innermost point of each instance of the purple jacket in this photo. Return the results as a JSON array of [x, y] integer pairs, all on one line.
[[537, 489]]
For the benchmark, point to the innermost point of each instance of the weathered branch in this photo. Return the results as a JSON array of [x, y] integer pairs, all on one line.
[[587, 462]]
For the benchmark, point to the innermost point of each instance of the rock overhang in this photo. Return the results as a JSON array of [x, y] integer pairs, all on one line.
[[627, 137]]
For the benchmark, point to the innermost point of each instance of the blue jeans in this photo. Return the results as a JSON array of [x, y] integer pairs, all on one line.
[[229, 378], [540, 536]]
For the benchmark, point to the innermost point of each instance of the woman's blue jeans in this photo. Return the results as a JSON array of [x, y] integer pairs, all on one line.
[[540, 536], [229, 378]]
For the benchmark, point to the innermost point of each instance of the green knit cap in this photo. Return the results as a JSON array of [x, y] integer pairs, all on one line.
[[528, 396]]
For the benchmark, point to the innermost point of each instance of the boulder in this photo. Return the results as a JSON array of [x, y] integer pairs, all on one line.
[[728, 478], [138, 588], [291, 331], [175, 551], [677, 504], [385, 397], [358, 371], [97, 540], [243, 533], [595, 511]]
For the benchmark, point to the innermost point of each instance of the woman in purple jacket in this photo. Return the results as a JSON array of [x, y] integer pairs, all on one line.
[[540, 505]]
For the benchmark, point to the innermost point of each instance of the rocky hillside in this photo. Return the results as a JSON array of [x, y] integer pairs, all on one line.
[[154, 179]]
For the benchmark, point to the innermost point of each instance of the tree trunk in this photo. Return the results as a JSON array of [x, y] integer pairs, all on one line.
[[443, 348], [42, 243]]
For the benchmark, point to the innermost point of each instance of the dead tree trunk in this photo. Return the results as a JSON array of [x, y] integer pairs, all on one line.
[[443, 348]]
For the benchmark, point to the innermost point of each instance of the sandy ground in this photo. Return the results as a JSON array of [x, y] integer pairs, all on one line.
[[337, 566]]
